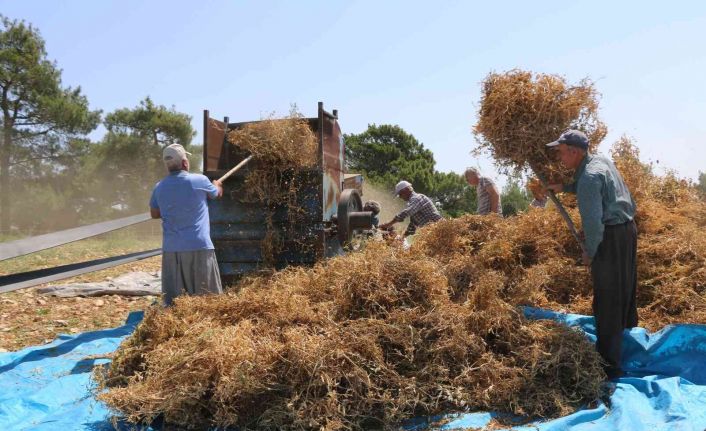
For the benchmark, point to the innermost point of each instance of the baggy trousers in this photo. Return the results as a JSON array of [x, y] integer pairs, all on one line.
[[614, 272], [193, 272]]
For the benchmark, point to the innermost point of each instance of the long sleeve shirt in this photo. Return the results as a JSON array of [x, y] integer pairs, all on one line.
[[420, 210], [603, 198]]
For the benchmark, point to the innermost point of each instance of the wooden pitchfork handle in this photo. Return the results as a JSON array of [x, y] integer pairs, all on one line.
[[235, 169], [562, 211]]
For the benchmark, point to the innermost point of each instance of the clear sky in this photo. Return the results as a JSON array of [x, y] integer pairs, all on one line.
[[411, 63]]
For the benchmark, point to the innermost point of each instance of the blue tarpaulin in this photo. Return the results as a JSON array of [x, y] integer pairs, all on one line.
[[49, 387]]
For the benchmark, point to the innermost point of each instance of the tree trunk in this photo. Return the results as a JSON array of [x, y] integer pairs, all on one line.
[[5, 177]]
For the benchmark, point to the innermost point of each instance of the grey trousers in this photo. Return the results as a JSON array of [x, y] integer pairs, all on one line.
[[193, 272]]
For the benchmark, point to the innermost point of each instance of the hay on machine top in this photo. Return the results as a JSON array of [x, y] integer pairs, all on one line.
[[283, 207]]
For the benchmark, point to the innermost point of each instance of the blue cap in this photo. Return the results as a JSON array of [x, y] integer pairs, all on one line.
[[575, 138]]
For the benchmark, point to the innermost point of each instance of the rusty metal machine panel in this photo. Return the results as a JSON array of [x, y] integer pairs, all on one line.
[[332, 160], [214, 137], [238, 226]]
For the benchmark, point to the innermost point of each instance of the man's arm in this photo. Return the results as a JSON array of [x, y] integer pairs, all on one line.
[[590, 200], [409, 209], [219, 187], [387, 225], [214, 189], [155, 213], [562, 188]]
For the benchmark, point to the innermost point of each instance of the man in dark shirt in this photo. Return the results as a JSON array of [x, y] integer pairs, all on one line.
[[607, 211]]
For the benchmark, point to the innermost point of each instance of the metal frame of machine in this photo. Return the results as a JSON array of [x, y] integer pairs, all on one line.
[[238, 227]]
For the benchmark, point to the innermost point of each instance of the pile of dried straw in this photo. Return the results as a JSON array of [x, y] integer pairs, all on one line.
[[520, 112], [534, 185], [382, 335], [366, 340], [671, 217], [537, 259], [283, 148]]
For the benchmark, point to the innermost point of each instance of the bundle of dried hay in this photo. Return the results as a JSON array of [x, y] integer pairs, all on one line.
[[539, 259], [530, 250], [671, 246], [288, 142], [361, 341], [283, 148], [520, 112]]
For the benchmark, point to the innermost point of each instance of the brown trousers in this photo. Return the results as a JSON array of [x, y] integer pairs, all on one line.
[[614, 271]]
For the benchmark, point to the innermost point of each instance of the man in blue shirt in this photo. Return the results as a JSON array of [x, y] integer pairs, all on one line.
[[188, 258], [607, 211]]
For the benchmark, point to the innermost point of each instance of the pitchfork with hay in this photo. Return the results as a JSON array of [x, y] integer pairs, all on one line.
[[521, 112]]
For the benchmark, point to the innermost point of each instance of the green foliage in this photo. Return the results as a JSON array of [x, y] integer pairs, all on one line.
[[454, 194], [514, 197], [48, 169], [387, 154], [153, 123], [122, 169], [40, 118]]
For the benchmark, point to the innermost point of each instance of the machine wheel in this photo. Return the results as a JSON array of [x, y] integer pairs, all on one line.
[[351, 216]]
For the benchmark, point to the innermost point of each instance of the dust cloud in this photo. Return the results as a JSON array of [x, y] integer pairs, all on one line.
[[389, 204]]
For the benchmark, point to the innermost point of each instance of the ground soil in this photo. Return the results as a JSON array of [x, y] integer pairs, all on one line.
[[28, 318]]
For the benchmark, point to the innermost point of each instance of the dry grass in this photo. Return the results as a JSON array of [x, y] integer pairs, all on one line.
[[671, 219], [381, 335], [132, 239], [282, 149], [538, 259], [520, 112], [288, 143], [534, 185], [361, 341]]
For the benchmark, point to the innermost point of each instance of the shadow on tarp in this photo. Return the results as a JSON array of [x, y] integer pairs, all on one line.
[[469, 420], [107, 425], [49, 387], [650, 403]]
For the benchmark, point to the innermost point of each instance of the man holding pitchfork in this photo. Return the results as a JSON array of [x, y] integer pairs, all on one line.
[[607, 212]]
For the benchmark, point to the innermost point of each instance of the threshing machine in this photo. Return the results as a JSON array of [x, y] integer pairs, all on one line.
[[332, 212]]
